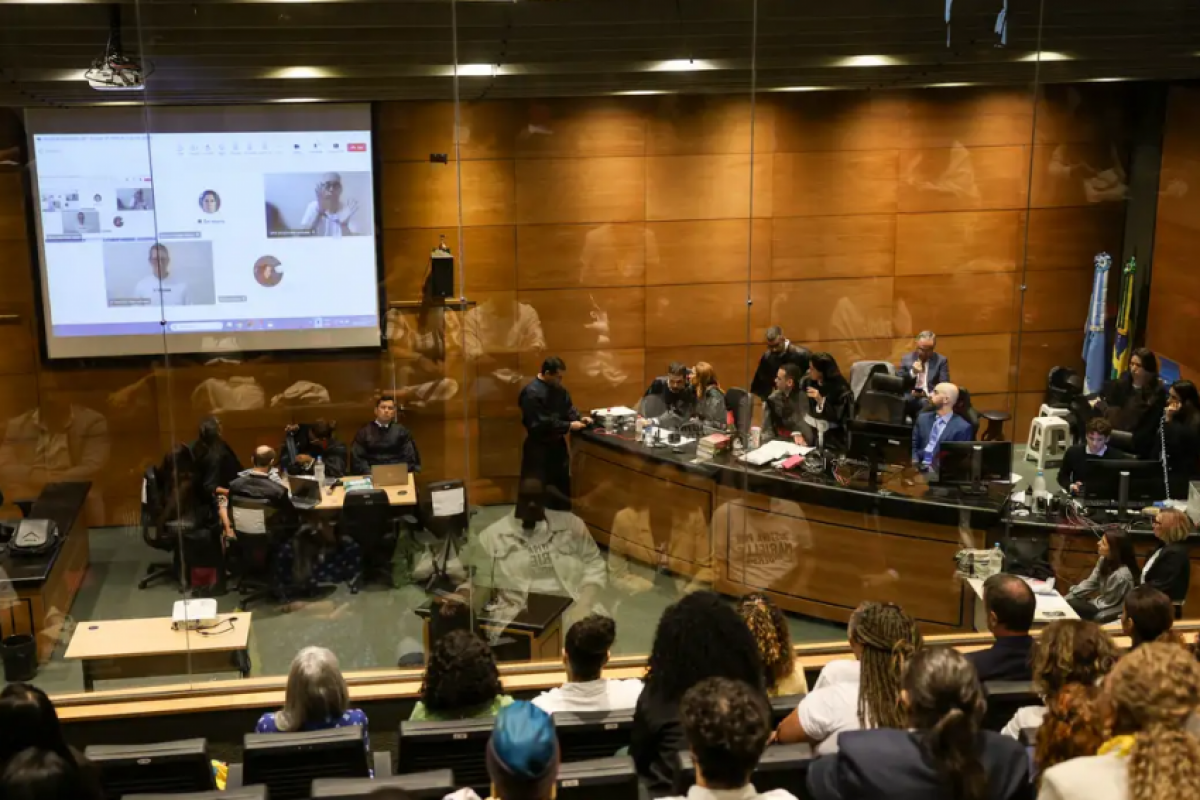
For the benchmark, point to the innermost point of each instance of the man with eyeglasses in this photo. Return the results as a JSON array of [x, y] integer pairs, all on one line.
[[780, 351], [328, 215], [1073, 473], [923, 368]]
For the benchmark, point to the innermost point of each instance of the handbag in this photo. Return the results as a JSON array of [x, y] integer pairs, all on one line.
[[33, 537]]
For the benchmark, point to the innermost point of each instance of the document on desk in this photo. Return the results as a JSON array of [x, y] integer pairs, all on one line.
[[448, 502], [773, 451]]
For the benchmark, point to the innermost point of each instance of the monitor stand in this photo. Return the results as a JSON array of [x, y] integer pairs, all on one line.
[[976, 486], [1123, 496]]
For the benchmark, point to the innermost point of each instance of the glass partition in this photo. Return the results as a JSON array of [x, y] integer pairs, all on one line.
[[609, 303]]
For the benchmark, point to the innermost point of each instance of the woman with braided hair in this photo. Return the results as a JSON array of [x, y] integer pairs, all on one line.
[[944, 754], [883, 639], [1152, 694], [782, 675]]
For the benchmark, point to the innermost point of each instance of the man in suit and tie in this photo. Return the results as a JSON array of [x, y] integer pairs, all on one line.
[[937, 426], [925, 368]]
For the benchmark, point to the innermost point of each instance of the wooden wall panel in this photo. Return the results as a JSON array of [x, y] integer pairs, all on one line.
[[966, 117], [833, 247], [833, 309], [1042, 351], [710, 313], [416, 195], [969, 241], [1056, 300], [599, 378], [707, 187], [837, 121], [412, 131], [568, 256], [963, 303], [980, 363], [568, 322], [734, 364], [1070, 238], [836, 182], [962, 178], [697, 124], [592, 127], [709, 251], [1077, 174], [486, 258], [581, 190]]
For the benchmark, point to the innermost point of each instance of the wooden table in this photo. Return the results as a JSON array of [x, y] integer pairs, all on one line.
[[332, 499], [142, 648]]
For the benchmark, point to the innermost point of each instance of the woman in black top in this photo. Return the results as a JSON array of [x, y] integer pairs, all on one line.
[[1179, 434], [1167, 568], [829, 399], [1134, 402], [28, 720], [699, 637]]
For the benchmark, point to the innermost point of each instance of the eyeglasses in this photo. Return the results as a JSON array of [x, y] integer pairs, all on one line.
[[329, 185]]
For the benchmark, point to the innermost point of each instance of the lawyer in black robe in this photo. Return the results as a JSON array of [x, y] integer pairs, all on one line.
[[383, 441], [548, 416]]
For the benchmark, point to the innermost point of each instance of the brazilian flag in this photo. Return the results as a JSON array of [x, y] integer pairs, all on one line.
[[1121, 348]]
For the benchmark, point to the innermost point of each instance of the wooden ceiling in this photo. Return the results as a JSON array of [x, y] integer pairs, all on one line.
[[218, 51]]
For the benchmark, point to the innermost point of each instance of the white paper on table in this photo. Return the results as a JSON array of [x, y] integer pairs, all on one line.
[[448, 502], [774, 451], [620, 411]]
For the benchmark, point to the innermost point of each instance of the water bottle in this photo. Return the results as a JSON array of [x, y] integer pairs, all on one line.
[[319, 471], [997, 559], [1040, 495]]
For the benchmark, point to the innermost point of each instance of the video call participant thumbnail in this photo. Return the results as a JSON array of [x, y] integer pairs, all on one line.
[[159, 287], [328, 214]]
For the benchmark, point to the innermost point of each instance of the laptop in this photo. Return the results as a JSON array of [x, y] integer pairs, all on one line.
[[306, 491], [389, 475]]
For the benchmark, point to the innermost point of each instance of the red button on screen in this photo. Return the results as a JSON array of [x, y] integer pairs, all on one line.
[[357, 147]]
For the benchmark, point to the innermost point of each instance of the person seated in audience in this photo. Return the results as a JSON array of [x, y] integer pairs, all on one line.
[[1115, 574], [587, 651], [304, 444], [1073, 474], [1148, 616], [710, 399], [727, 725], [779, 351], [36, 774], [940, 424], [1075, 724], [1180, 434], [783, 676], [938, 749], [883, 639], [1069, 651], [1151, 695], [28, 719], [1010, 605], [316, 698], [383, 441], [670, 394], [925, 368], [784, 409], [700, 636], [1135, 401], [1168, 568], [830, 402], [522, 756], [461, 680]]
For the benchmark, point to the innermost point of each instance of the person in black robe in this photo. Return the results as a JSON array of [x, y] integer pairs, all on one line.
[[304, 444], [670, 394], [548, 416], [383, 441], [780, 351]]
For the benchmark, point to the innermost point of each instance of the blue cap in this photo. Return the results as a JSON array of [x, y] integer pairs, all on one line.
[[524, 741]]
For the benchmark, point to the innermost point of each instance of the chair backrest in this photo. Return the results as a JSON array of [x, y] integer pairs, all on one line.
[[366, 515], [861, 372], [1063, 384], [250, 516], [1122, 440], [584, 735], [458, 745], [783, 706], [446, 508], [965, 410], [738, 401], [1003, 700], [873, 406], [886, 383], [782, 766], [167, 767], [432, 785], [288, 763], [612, 778]]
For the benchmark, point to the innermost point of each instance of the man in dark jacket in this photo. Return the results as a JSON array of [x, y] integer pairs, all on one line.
[[780, 351], [784, 409], [549, 416], [304, 444], [670, 394], [383, 441], [1010, 605]]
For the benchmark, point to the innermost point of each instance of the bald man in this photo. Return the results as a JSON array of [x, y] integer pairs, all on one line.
[[262, 481], [1011, 606], [937, 426], [329, 215]]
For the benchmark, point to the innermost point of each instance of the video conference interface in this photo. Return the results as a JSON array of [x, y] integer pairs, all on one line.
[[209, 237]]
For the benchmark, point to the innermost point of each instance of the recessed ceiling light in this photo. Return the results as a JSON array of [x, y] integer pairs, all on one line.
[[1106, 80], [477, 70], [681, 65], [952, 85], [1046, 55], [867, 61], [298, 100], [302, 72], [801, 88], [636, 92]]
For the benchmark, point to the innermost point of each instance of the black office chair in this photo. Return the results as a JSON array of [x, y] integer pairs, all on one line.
[[873, 406], [1063, 385], [740, 403], [886, 383], [367, 519], [1123, 441], [1003, 700], [965, 410], [260, 532], [160, 537]]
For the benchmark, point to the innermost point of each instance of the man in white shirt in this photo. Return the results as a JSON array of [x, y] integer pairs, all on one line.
[[328, 215], [158, 287], [727, 724], [588, 644]]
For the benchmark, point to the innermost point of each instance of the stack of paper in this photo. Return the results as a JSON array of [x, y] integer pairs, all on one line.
[[773, 451]]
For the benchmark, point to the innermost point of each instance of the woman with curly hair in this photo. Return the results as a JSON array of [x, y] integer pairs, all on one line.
[[783, 676], [944, 753], [883, 639], [698, 637], [1069, 652], [461, 680], [1151, 695]]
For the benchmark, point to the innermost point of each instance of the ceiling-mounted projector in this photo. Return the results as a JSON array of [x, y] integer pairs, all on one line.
[[114, 71]]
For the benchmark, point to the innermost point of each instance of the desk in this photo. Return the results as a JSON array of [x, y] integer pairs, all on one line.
[[332, 499], [816, 545], [36, 593], [1050, 607], [538, 629], [141, 648]]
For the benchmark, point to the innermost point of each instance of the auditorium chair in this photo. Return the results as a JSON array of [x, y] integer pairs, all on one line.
[[164, 538], [782, 766], [1003, 700], [584, 735]]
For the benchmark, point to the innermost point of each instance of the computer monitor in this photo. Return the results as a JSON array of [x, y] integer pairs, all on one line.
[[432, 785], [879, 443], [288, 763], [244, 793], [1146, 484], [782, 766], [955, 462], [165, 767], [612, 778], [457, 745], [584, 735]]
